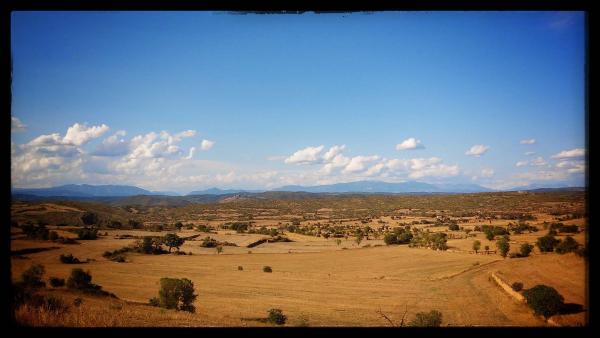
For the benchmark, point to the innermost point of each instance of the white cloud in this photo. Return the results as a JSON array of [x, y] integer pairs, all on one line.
[[487, 172], [573, 153], [333, 152], [477, 150], [538, 161], [521, 163], [306, 155], [409, 144], [206, 144], [358, 163], [528, 141], [113, 145], [79, 134], [17, 125], [529, 153]]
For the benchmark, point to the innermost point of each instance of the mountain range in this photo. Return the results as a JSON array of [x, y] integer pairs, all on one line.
[[94, 191]]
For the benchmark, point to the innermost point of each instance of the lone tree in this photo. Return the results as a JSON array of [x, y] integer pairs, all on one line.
[[503, 246], [476, 246], [359, 237], [526, 249], [544, 300], [176, 294], [173, 241], [276, 316]]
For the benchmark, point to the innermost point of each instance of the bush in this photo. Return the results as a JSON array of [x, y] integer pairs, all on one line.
[[79, 279], [547, 243], [173, 241], [517, 286], [32, 277], [568, 228], [177, 294], [567, 245], [503, 246], [267, 268], [388, 239], [77, 301], [56, 282], [89, 218], [87, 233], [36, 232], [276, 316], [453, 227], [544, 300], [476, 245], [427, 319], [526, 249], [69, 259], [119, 259]]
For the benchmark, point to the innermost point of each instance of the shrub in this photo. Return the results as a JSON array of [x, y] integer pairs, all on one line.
[[177, 294], [503, 246], [267, 268], [79, 279], [240, 268], [219, 249], [544, 300], [36, 232], [69, 259], [32, 277], [517, 286], [526, 249], [276, 316], [208, 242], [568, 228], [388, 239], [432, 318], [476, 245], [87, 233], [173, 241], [547, 243], [567, 245], [77, 301], [453, 227], [56, 282], [119, 259]]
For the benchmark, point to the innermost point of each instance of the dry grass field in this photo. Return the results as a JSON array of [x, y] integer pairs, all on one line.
[[315, 281]]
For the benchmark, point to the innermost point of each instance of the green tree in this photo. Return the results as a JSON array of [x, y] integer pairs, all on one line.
[[476, 245], [173, 241], [177, 294], [526, 249], [567, 245], [547, 243], [544, 300], [503, 246]]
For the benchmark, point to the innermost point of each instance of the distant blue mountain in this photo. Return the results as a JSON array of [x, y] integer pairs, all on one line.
[[217, 191], [385, 187], [85, 190]]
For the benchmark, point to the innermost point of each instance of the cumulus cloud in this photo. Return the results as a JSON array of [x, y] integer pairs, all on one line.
[[528, 141], [206, 144], [79, 134], [17, 125], [333, 152], [113, 145], [573, 153], [477, 150], [306, 155], [409, 144], [358, 163]]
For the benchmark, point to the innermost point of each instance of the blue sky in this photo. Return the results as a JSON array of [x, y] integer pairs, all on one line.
[[273, 95]]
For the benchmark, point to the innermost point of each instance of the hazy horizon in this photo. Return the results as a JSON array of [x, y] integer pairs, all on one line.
[[173, 101]]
